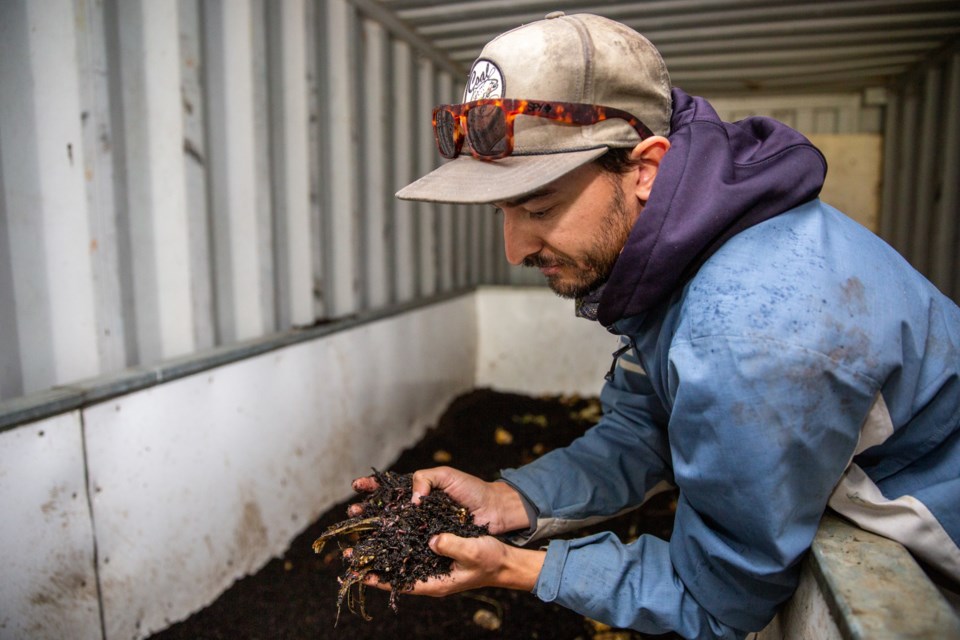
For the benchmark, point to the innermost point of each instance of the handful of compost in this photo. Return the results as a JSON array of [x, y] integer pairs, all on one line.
[[392, 538]]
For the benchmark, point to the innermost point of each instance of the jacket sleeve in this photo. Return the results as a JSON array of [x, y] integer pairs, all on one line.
[[612, 468], [760, 431]]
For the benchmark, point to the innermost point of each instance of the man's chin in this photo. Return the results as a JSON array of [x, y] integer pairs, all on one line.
[[570, 291], [564, 293]]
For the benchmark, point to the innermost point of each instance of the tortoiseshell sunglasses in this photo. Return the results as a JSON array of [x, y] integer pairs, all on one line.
[[489, 123]]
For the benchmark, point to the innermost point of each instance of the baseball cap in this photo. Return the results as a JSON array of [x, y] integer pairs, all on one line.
[[580, 58]]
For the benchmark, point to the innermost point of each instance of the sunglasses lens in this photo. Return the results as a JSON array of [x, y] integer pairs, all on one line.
[[446, 128], [487, 130]]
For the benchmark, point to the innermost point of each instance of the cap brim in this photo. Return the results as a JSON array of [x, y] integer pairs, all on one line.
[[466, 180]]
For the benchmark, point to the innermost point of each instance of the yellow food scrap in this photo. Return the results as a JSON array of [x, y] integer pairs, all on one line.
[[486, 619], [442, 456], [502, 436], [531, 418], [598, 626], [616, 635], [590, 413]]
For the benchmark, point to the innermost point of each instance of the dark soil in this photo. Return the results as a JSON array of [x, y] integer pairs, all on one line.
[[295, 597]]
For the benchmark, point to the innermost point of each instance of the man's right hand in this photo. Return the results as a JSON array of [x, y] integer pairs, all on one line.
[[495, 504]]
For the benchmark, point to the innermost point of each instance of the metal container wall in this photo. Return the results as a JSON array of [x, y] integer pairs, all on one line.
[[181, 175], [921, 206], [185, 175]]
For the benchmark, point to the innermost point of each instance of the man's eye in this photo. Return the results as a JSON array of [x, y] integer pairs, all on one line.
[[539, 214]]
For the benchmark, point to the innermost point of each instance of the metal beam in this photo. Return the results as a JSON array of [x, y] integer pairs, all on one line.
[[785, 19], [705, 30], [401, 30], [813, 57]]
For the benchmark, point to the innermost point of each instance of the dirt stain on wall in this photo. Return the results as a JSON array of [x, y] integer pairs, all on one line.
[[250, 537]]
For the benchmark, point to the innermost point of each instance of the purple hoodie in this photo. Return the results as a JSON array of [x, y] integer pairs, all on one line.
[[717, 179]]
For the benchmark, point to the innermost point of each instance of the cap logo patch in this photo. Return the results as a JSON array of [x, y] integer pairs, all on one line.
[[484, 82]]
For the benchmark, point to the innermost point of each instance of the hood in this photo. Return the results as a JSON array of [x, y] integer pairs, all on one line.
[[717, 179]]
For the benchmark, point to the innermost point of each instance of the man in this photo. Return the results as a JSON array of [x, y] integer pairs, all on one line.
[[776, 358]]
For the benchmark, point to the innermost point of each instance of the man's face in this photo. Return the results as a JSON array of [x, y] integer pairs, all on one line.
[[573, 229]]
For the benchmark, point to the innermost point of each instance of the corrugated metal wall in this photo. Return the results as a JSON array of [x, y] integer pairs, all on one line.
[[921, 207], [179, 175]]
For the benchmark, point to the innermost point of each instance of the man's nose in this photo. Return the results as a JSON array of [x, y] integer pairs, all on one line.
[[519, 240]]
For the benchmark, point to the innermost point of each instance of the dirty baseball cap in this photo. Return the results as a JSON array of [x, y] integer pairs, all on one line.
[[580, 58]]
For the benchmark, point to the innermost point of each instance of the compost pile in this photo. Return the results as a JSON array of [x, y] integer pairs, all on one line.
[[294, 597], [393, 535]]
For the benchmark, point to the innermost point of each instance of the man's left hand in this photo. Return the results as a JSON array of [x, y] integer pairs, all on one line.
[[477, 562]]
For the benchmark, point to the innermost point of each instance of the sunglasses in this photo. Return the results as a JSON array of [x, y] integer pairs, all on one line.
[[488, 124]]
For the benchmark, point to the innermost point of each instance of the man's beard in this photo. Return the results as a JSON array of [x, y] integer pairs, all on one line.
[[596, 264]]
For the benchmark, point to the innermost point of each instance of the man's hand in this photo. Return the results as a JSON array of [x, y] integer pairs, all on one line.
[[477, 562], [495, 504]]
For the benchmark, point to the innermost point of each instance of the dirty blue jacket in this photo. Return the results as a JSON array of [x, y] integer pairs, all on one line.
[[803, 364], [765, 389]]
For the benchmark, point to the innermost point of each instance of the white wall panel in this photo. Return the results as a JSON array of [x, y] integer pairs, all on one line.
[[488, 246], [265, 151], [233, 188], [377, 198], [446, 228], [404, 101], [461, 244], [291, 167], [341, 277], [45, 205], [200, 481], [11, 380], [318, 129], [531, 342], [196, 158], [475, 214], [426, 233], [49, 589], [106, 191], [503, 267], [446, 262], [156, 188]]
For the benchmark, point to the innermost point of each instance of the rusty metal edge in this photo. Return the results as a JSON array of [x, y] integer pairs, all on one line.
[[854, 567]]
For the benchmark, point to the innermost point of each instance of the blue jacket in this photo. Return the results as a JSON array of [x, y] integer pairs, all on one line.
[[797, 362]]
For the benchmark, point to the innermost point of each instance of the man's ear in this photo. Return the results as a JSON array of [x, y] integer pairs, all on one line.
[[648, 154]]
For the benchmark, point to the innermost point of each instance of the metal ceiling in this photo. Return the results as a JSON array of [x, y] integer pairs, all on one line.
[[715, 47]]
